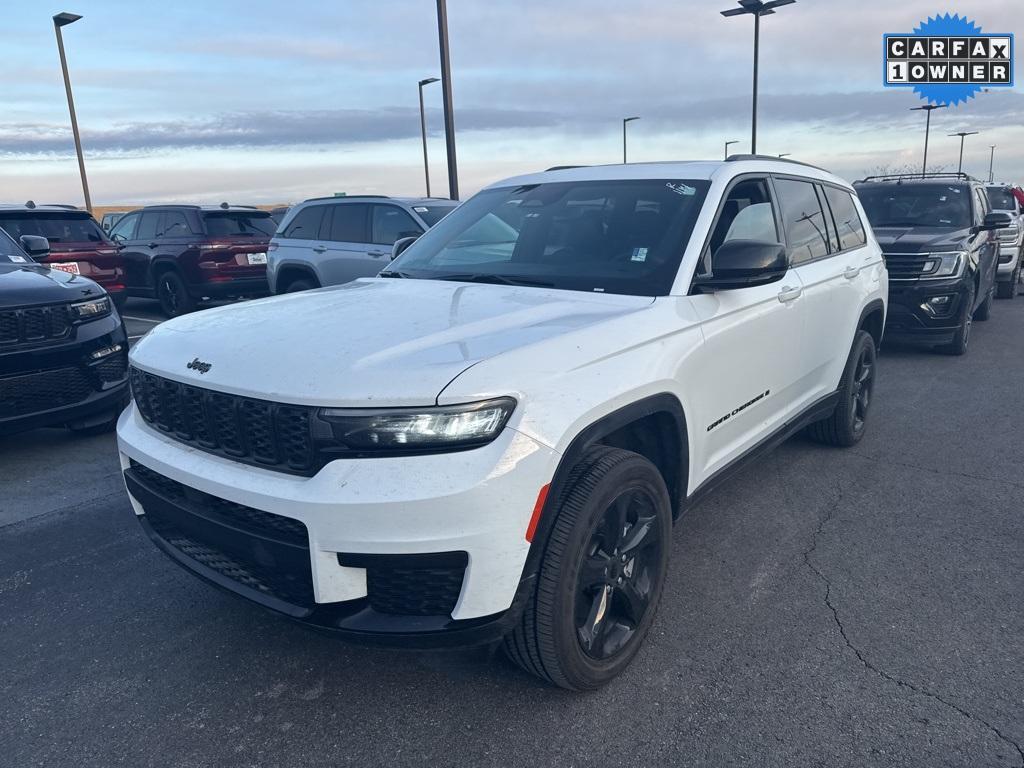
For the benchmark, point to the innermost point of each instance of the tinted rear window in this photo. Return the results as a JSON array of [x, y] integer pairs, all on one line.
[[244, 224], [916, 205], [55, 227], [1001, 199]]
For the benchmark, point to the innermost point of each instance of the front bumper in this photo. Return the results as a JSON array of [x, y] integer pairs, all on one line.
[[59, 383], [908, 321], [1009, 256], [364, 520]]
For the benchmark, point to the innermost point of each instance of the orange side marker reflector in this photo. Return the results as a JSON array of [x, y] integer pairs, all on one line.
[[537, 509]]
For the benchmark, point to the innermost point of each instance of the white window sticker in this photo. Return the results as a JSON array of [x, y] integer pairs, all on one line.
[[681, 189], [639, 254], [18, 259], [421, 209]]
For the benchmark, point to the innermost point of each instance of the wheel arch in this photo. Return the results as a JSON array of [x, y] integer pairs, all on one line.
[[872, 320]]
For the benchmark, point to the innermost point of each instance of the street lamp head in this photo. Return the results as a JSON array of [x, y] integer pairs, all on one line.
[[629, 119], [428, 81], [961, 134], [64, 18], [756, 7], [929, 107]]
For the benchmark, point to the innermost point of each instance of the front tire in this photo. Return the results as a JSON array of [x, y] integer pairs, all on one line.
[[958, 346], [846, 425], [601, 574], [173, 294], [984, 310]]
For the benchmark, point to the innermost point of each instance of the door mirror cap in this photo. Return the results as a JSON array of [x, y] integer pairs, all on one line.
[[401, 245], [35, 246], [996, 220], [744, 264]]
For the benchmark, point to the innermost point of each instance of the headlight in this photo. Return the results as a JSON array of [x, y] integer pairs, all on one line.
[[361, 431], [944, 264], [93, 309]]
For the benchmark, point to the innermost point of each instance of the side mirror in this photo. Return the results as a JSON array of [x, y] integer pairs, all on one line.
[[401, 245], [35, 246], [995, 220], [744, 264]]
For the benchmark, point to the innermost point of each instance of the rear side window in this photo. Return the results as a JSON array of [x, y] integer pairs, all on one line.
[[55, 227], [803, 219], [391, 223], [306, 224], [848, 224], [148, 226], [348, 223], [174, 225], [239, 224], [432, 214], [1001, 199], [125, 227]]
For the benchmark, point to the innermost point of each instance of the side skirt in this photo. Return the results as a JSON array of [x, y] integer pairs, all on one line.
[[816, 411]]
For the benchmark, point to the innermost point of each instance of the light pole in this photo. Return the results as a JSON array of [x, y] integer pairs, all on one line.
[[62, 20], [727, 144], [757, 9], [423, 131], [963, 135], [446, 90], [927, 108], [624, 121], [991, 161]]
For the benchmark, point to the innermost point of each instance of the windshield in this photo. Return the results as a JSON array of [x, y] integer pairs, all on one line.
[[916, 205], [608, 236], [431, 214], [1001, 199], [255, 224], [55, 227], [10, 252]]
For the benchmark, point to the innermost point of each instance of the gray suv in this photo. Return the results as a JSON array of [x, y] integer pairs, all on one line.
[[333, 240]]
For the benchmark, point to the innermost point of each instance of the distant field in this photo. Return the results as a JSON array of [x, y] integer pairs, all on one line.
[[99, 210]]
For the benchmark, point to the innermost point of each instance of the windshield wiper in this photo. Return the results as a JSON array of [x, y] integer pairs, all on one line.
[[394, 273], [485, 277]]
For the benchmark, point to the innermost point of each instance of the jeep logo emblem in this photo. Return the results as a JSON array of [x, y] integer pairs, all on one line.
[[199, 365]]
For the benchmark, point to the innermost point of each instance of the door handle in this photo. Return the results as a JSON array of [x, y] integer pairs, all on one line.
[[319, 249], [378, 254], [789, 293], [851, 272], [153, 245]]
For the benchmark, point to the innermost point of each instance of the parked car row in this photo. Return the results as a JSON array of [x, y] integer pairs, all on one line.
[[498, 425]]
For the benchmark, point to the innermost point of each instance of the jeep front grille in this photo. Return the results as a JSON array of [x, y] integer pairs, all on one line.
[[35, 325], [272, 435]]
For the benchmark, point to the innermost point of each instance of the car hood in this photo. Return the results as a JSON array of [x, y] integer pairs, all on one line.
[[27, 284], [920, 239], [371, 342]]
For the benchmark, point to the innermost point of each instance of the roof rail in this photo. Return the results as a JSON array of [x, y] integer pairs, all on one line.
[[349, 197], [564, 167], [900, 177], [773, 158], [169, 205]]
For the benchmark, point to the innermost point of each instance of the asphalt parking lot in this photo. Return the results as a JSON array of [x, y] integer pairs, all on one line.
[[825, 607]]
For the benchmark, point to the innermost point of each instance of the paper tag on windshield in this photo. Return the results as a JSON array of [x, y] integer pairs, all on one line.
[[18, 259], [421, 209], [639, 254]]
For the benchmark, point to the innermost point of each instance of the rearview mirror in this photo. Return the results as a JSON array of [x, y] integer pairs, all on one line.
[[995, 220], [401, 245], [744, 264], [35, 246]]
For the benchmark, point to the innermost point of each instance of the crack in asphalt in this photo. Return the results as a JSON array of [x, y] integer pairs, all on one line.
[[943, 472], [822, 522]]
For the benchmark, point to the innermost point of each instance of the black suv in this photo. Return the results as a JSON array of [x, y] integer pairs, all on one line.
[[938, 239], [182, 254], [63, 348]]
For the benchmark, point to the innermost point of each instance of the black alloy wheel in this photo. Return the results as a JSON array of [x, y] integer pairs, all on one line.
[[863, 386]]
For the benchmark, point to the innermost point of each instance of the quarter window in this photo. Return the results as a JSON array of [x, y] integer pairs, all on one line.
[[848, 224], [306, 224], [803, 219]]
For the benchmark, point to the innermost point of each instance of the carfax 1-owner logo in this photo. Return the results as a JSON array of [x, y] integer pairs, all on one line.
[[948, 59]]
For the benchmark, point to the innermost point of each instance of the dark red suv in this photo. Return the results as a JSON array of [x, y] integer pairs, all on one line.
[[77, 243], [183, 254]]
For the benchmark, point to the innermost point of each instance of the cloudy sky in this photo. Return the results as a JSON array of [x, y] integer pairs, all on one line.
[[269, 101]]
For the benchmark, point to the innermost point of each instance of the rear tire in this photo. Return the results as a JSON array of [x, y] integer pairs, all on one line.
[[173, 295], [302, 284], [846, 425], [601, 574]]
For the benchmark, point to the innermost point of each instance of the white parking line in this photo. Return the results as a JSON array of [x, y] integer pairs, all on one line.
[[142, 319]]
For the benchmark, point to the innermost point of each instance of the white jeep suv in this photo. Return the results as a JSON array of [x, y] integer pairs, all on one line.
[[491, 440]]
